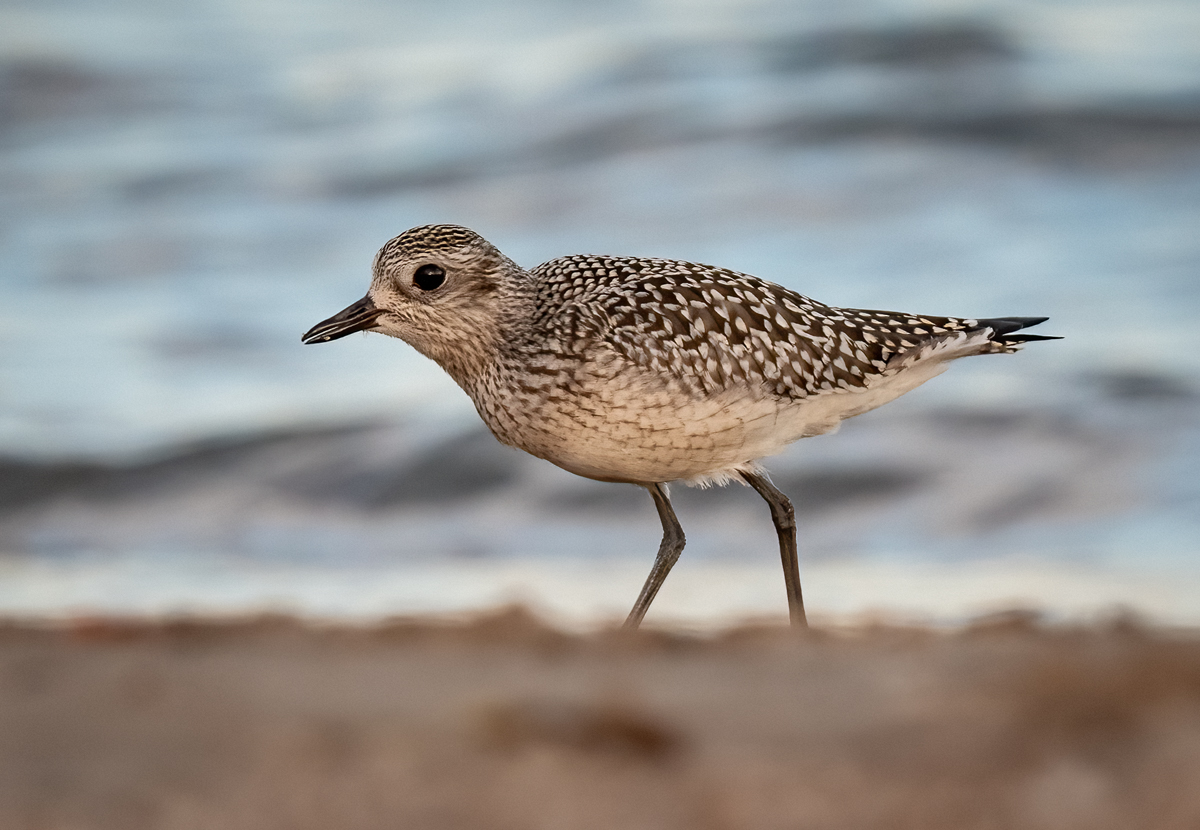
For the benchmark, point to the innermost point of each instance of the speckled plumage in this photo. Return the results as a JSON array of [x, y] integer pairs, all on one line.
[[649, 370]]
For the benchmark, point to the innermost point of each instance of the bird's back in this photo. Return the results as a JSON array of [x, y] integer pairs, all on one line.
[[712, 328]]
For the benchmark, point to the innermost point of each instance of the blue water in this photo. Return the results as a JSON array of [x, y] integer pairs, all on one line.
[[183, 192]]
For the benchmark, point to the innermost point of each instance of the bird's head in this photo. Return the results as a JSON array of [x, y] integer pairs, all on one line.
[[443, 289]]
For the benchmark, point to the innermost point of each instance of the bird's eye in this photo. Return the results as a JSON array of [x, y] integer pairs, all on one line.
[[429, 277]]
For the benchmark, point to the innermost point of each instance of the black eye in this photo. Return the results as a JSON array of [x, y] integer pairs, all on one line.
[[429, 277]]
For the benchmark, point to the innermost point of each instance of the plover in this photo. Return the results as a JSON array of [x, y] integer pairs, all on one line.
[[649, 371]]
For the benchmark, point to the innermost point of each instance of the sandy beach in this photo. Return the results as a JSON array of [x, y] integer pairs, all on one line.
[[500, 721]]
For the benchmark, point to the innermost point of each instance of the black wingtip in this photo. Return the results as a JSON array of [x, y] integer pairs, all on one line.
[[1003, 329], [1027, 322], [1025, 338]]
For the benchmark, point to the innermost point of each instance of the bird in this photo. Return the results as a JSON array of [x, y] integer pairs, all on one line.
[[650, 371]]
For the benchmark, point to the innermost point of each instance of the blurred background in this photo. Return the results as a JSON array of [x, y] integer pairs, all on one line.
[[184, 190]]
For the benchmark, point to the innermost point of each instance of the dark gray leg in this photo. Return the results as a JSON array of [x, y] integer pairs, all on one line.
[[668, 553], [785, 525]]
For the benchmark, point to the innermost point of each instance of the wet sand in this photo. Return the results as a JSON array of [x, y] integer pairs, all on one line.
[[503, 722]]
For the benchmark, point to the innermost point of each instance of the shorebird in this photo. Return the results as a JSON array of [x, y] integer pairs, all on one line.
[[649, 371]]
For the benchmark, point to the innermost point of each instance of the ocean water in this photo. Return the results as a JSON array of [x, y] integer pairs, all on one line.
[[183, 192]]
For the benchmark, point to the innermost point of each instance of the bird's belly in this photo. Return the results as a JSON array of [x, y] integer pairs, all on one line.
[[634, 428], [660, 435], [659, 440]]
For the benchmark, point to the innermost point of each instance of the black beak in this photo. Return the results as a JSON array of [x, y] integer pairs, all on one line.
[[358, 317]]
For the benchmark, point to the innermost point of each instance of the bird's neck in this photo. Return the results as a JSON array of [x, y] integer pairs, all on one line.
[[484, 334]]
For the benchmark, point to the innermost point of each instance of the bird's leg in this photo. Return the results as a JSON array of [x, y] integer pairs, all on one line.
[[668, 552], [784, 518]]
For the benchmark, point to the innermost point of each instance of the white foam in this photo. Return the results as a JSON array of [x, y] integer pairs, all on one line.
[[583, 593]]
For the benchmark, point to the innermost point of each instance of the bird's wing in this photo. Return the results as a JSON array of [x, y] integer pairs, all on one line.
[[711, 328]]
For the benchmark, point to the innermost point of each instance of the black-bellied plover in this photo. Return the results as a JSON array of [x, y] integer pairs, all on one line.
[[648, 371]]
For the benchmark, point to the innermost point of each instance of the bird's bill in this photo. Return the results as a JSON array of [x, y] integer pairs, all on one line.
[[359, 317]]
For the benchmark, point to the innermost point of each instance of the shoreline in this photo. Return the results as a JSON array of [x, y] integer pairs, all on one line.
[[582, 595]]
